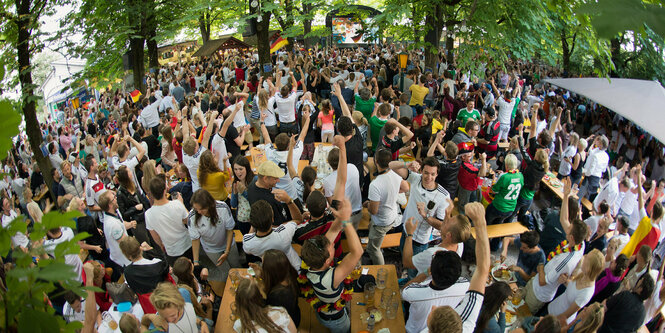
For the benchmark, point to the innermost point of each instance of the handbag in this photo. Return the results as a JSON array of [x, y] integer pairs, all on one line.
[[120, 292]]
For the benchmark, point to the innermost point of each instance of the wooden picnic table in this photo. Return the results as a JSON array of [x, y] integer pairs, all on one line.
[[308, 320], [41, 194]]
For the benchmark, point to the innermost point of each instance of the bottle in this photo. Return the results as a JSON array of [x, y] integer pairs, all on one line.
[[370, 323]]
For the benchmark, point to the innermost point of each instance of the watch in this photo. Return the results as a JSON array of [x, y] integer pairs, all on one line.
[[409, 235]]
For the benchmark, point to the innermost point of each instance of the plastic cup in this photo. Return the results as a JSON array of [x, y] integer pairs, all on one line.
[[381, 277]]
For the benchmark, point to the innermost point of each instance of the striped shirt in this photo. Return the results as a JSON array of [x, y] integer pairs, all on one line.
[[322, 283], [563, 263]]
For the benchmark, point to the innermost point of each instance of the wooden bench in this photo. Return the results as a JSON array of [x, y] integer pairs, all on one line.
[[391, 240], [587, 204], [503, 230]]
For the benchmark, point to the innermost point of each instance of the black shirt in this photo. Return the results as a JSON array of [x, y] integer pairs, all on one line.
[[231, 146], [280, 210], [625, 313], [282, 296], [154, 147], [87, 224], [447, 177], [354, 152]]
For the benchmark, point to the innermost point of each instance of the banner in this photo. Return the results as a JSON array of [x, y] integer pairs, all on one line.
[[277, 42]]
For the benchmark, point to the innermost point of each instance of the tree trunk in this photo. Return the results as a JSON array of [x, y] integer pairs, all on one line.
[[263, 40], [565, 48], [450, 44], [615, 49], [27, 89], [434, 21], [138, 62], [153, 55], [204, 27]]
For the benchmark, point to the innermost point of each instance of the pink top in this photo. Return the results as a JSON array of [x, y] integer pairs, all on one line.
[[326, 121]]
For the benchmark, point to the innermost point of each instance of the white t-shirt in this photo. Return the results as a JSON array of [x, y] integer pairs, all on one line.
[[566, 167], [610, 194], [418, 193], [212, 238], [560, 264], [629, 202], [19, 239], [351, 189], [192, 164], [149, 116], [71, 316], [114, 230], [187, 323], [422, 297], [131, 164], [218, 148], [167, 221], [278, 315], [623, 241], [423, 260], [286, 107], [652, 304], [279, 157], [94, 188], [279, 239], [592, 223], [70, 259], [239, 119], [572, 295], [384, 189], [505, 110]]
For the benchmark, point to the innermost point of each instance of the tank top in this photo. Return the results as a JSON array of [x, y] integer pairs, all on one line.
[[576, 173]]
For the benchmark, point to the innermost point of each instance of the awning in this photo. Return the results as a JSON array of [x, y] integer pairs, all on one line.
[[640, 101], [214, 45]]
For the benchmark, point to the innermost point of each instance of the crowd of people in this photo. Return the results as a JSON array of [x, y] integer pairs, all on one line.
[[164, 181]]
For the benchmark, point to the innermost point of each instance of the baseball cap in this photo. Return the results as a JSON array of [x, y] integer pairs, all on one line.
[[465, 147], [270, 169]]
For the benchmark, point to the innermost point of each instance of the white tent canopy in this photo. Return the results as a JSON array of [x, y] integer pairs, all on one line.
[[640, 101]]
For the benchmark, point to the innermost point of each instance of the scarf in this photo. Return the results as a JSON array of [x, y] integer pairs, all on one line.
[[562, 248]]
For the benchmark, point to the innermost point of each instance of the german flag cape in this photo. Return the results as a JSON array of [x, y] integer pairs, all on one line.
[[135, 95], [277, 42], [645, 234]]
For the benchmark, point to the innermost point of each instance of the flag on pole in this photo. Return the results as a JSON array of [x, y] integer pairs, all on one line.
[[277, 42], [135, 95]]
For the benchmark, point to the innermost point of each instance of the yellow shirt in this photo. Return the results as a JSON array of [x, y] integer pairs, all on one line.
[[215, 184], [418, 94], [436, 126]]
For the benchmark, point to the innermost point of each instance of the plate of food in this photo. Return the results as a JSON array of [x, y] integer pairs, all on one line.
[[510, 318], [502, 273]]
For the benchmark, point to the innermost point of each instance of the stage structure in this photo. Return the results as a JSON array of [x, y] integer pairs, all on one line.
[[352, 26]]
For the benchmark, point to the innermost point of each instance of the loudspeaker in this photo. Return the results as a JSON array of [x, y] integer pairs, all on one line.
[[250, 28], [127, 61]]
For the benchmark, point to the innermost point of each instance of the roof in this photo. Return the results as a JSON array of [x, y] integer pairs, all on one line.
[[253, 39], [160, 47], [224, 43]]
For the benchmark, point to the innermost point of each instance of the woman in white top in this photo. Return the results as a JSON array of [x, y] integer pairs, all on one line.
[[579, 290], [172, 308], [254, 316]]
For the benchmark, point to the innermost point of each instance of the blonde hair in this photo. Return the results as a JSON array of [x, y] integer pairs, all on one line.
[[511, 162], [166, 295], [596, 264], [73, 204], [149, 172], [359, 119], [189, 145], [263, 100], [444, 319], [131, 248], [542, 158], [592, 321]]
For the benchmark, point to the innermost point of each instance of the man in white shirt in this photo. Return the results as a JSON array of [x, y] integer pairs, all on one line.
[[595, 166], [120, 153], [166, 221], [149, 116], [191, 150], [542, 287], [351, 189], [383, 192], [19, 240], [506, 105], [115, 230], [278, 153], [460, 317], [428, 202], [60, 235], [286, 106], [266, 237]]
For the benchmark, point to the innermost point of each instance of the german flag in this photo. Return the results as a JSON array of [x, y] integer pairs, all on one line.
[[135, 95], [277, 42], [646, 234]]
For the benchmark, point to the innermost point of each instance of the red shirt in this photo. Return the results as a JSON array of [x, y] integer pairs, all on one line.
[[240, 74], [468, 177], [177, 147]]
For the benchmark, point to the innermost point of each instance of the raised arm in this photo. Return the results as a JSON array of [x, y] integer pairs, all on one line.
[[563, 215], [556, 121], [534, 119], [476, 212], [305, 126], [208, 131], [229, 120], [289, 158], [342, 102]]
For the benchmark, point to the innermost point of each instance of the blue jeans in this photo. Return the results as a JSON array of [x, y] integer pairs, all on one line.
[[341, 325], [589, 188], [495, 216], [417, 248], [289, 128], [521, 208]]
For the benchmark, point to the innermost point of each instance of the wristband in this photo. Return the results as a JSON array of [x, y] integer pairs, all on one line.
[[409, 235], [345, 222], [196, 262]]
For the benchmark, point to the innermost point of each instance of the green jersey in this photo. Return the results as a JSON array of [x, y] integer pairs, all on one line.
[[464, 115], [506, 190], [375, 126], [365, 106]]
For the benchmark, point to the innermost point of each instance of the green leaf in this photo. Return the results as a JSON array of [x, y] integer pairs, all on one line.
[[31, 321], [56, 271], [8, 126]]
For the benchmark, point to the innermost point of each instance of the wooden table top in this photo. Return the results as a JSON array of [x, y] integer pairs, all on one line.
[[396, 325], [308, 320]]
